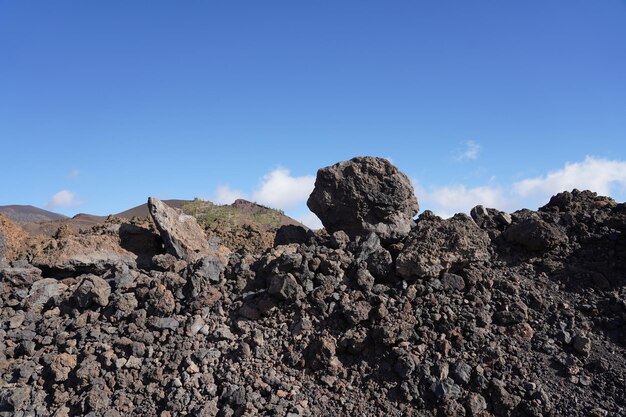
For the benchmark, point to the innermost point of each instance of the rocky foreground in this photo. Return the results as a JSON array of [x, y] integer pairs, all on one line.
[[520, 314]]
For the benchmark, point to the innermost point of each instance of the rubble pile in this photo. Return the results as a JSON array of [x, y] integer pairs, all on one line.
[[493, 314]]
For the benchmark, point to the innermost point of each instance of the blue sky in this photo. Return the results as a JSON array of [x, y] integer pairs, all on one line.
[[105, 103]]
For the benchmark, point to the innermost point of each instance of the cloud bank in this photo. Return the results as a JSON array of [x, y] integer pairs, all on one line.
[[281, 190], [604, 176]]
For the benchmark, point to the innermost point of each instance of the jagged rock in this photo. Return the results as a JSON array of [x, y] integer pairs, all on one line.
[[436, 245], [20, 276], [492, 220], [364, 195], [285, 287], [61, 365], [43, 290], [476, 404], [535, 234], [578, 202], [182, 235], [321, 354], [12, 240], [290, 233], [92, 290], [379, 261], [305, 328], [582, 345]]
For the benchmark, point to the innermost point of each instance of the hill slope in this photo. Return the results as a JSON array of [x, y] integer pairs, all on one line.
[[26, 214]]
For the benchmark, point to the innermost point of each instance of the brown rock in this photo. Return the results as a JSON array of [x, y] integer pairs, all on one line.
[[61, 365]]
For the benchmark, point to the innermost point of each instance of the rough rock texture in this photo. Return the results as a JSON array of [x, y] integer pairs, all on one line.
[[83, 253], [12, 240], [182, 235], [364, 195], [476, 324], [436, 245]]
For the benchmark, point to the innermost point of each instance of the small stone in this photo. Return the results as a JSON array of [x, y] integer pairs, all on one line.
[[61, 365], [133, 363], [285, 287], [92, 290], [476, 404]]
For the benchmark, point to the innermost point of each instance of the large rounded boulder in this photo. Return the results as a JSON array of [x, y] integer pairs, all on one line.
[[364, 195]]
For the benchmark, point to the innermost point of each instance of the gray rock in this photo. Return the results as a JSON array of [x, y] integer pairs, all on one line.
[[285, 287], [436, 245], [452, 282], [210, 268], [182, 235], [446, 390], [42, 291], [92, 290], [476, 404], [378, 259], [164, 323], [514, 313], [364, 195], [20, 276], [461, 373]]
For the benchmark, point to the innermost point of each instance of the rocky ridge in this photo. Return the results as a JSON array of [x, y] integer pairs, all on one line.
[[493, 314]]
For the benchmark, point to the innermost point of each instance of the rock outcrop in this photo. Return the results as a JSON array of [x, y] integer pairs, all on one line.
[[436, 245], [182, 235], [12, 240], [364, 195]]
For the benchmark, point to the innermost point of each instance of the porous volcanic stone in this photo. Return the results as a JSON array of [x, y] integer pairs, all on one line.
[[436, 245], [364, 195]]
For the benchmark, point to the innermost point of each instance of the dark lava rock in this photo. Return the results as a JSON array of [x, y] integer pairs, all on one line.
[[452, 320], [364, 195], [291, 233], [535, 234], [436, 245]]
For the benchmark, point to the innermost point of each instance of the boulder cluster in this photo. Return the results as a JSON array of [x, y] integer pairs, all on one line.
[[488, 314]]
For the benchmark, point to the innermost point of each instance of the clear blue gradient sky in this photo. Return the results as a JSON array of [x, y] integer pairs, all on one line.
[[109, 102]]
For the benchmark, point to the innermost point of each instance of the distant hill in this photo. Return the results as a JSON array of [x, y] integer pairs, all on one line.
[[142, 209], [240, 225], [239, 213], [29, 214]]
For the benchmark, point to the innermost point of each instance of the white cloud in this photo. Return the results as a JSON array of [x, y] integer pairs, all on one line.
[[471, 151], [279, 189], [459, 198], [595, 174], [75, 173], [606, 177], [64, 199], [227, 195], [310, 220]]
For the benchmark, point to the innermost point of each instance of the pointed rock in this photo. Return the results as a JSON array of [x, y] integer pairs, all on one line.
[[182, 235]]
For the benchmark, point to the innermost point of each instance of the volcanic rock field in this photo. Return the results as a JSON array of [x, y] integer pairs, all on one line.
[[379, 314]]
